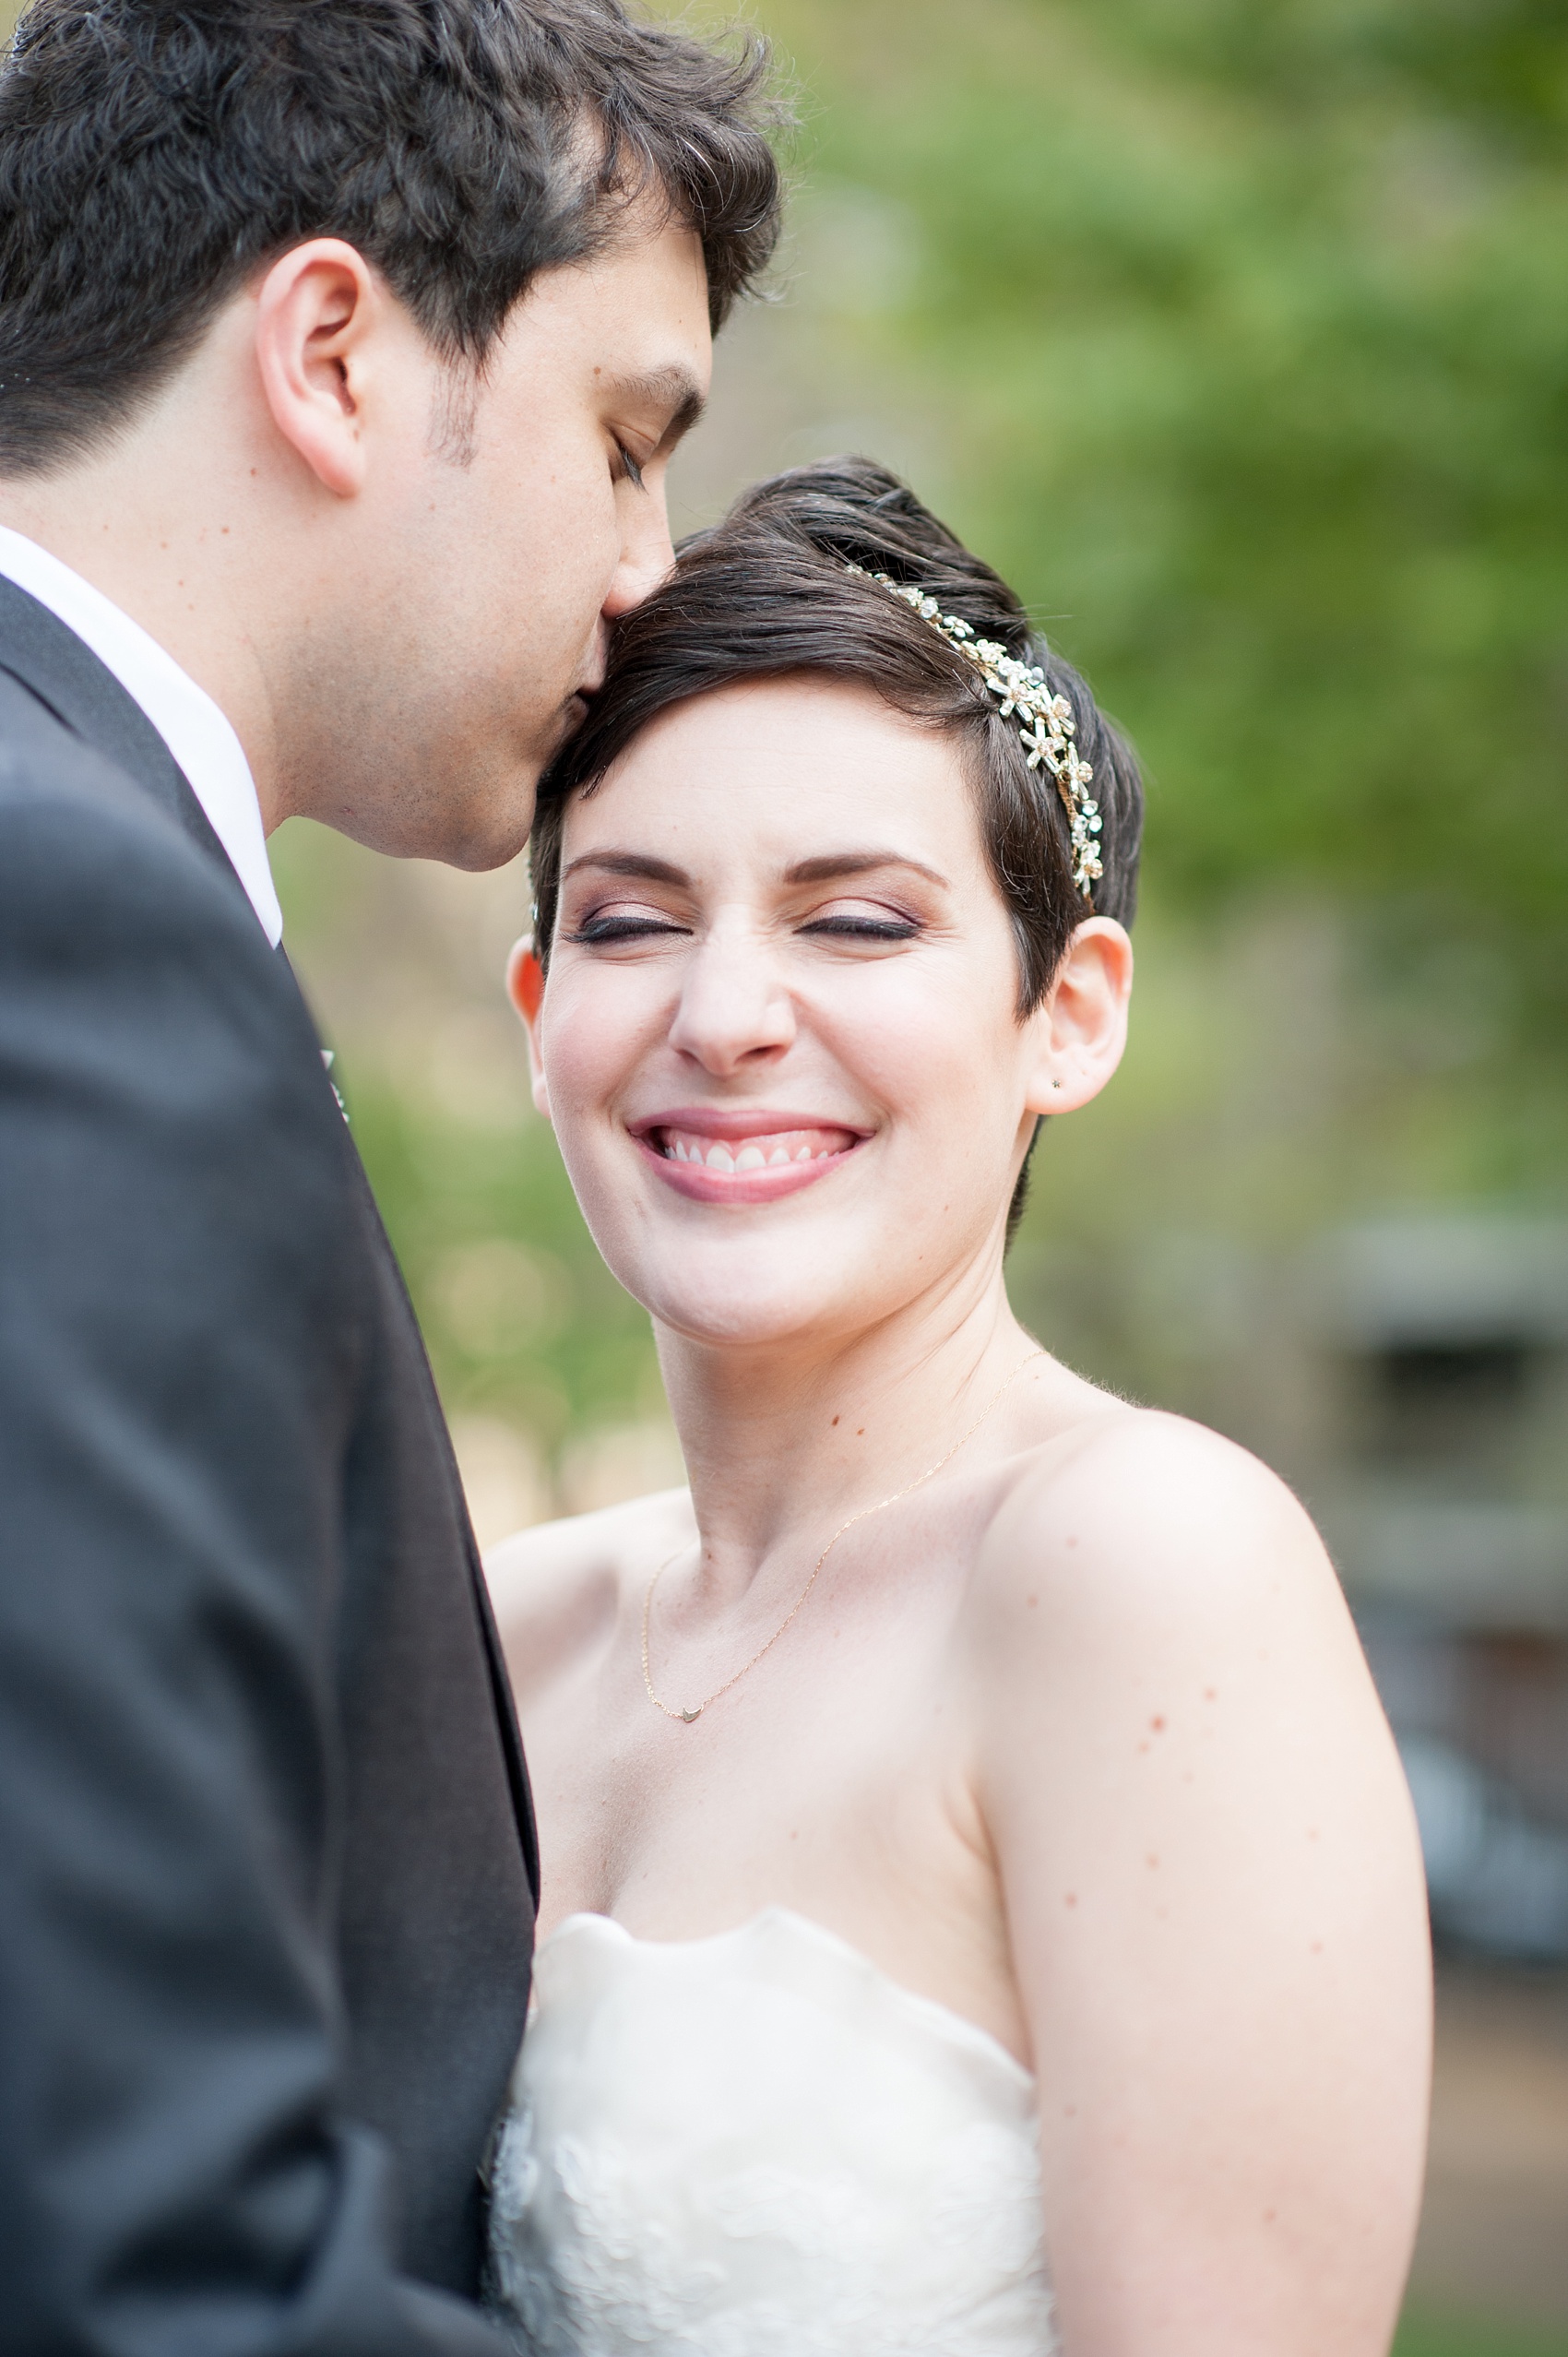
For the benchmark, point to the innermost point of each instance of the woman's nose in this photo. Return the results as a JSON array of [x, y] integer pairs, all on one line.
[[734, 1011]]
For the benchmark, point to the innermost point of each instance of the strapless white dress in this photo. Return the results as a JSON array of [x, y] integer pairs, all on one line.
[[758, 2145]]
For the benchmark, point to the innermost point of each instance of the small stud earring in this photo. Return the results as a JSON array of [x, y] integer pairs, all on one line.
[[1056, 1084]]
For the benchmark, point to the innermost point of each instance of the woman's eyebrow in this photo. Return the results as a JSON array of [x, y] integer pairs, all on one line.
[[830, 865], [635, 863], [827, 867]]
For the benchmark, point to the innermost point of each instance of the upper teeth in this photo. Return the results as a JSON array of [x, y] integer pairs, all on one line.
[[769, 1153]]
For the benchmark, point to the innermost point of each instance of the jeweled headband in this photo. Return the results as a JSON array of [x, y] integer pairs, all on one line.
[[1045, 722]]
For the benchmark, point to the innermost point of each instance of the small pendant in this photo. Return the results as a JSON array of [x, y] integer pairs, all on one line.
[[689, 1715]]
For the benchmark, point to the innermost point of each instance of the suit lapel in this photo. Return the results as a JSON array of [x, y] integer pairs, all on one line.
[[380, 1242], [54, 664]]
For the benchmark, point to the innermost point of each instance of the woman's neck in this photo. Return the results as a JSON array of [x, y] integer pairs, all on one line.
[[782, 1442]]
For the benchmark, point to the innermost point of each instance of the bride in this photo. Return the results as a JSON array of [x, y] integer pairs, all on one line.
[[982, 1915]]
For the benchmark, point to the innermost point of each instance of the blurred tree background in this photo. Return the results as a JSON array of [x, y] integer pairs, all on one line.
[[1237, 335], [1235, 332]]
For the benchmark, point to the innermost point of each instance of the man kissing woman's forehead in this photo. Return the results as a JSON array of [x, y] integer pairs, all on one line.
[[981, 1913]]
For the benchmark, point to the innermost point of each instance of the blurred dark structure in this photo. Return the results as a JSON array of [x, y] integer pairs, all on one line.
[[1447, 1503], [1437, 1463]]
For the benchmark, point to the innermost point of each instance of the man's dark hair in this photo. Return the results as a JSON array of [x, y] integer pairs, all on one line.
[[154, 154], [768, 592]]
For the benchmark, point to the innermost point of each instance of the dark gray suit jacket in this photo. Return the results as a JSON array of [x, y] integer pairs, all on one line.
[[266, 1859]]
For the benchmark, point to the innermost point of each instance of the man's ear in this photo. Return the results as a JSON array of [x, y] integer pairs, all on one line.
[[1079, 1030], [317, 308], [525, 988]]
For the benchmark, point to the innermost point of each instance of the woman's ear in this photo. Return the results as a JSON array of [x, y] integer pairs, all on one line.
[[1080, 1027], [525, 988]]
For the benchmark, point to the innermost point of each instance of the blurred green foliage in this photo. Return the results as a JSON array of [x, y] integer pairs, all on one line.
[[1246, 330], [523, 1318], [1422, 2334], [1236, 333]]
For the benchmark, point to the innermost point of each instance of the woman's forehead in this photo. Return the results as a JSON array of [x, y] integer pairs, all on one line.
[[781, 764]]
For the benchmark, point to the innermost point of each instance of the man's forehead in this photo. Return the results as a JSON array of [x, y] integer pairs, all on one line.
[[652, 269]]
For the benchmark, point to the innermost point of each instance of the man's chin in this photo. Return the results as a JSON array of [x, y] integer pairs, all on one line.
[[475, 814], [492, 840], [476, 834], [569, 720]]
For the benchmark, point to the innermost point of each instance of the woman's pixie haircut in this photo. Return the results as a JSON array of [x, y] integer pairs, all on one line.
[[768, 592]]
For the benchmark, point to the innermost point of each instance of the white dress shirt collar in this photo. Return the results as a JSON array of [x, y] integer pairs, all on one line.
[[196, 732]]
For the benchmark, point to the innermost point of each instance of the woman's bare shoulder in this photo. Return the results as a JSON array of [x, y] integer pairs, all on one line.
[[555, 1587], [1207, 1865], [1132, 1515]]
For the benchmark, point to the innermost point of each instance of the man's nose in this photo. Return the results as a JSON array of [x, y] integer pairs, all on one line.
[[647, 553]]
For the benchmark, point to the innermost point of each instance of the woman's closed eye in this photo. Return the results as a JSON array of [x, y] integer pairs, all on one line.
[[868, 920], [601, 928]]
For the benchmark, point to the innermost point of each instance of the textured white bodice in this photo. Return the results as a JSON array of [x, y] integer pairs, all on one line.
[[758, 2145]]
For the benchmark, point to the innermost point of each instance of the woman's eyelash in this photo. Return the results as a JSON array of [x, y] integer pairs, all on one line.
[[630, 467], [866, 928], [594, 930]]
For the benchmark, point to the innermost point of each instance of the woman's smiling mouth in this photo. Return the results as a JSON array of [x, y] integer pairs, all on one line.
[[727, 1155]]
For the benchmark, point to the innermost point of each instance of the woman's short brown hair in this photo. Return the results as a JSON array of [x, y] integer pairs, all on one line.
[[768, 592]]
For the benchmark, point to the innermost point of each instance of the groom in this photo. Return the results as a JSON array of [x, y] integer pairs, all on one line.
[[343, 346]]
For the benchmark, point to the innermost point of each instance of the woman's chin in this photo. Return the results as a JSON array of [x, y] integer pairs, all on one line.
[[788, 1311], [736, 1325]]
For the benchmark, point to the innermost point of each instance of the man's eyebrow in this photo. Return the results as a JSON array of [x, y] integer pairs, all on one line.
[[632, 864], [672, 390], [831, 865]]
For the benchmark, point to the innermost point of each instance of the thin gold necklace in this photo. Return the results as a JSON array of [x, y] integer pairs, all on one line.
[[697, 1710]]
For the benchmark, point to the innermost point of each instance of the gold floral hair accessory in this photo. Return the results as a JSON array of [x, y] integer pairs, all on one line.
[[1045, 721]]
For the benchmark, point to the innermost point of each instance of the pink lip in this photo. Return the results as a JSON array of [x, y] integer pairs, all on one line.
[[738, 1122]]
